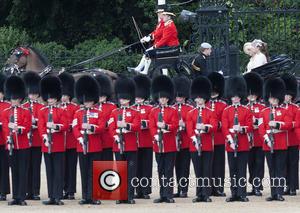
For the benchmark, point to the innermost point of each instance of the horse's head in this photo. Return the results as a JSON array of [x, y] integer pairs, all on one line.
[[18, 57]]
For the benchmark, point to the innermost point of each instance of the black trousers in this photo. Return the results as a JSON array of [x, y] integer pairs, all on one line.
[[292, 169], [107, 154], [70, 171], [144, 171], [34, 171], [131, 158], [4, 171], [165, 165], [182, 170], [203, 170], [256, 165], [55, 173], [86, 171], [218, 168], [277, 170], [19, 168], [238, 173]]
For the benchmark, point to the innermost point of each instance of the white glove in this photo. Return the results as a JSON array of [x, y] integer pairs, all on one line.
[[156, 137], [46, 140], [117, 139], [232, 146], [80, 140], [145, 39], [267, 139]]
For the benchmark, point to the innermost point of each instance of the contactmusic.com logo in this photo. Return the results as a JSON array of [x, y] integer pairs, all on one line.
[[110, 180]]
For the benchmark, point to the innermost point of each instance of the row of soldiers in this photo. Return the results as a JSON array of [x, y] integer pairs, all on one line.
[[186, 121]]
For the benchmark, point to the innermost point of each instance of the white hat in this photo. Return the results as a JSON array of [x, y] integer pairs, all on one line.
[[205, 45], [168, 13]]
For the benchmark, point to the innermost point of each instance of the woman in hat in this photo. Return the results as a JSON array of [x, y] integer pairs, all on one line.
[[52, 124], [274, 124], [163, 127], [87, 126], [201, 123], [124, 126], [32, 82]]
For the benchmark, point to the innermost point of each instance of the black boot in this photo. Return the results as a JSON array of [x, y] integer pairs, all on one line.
[[13, 202], [170, 200], [197, 200], [22, 203], [51, 201], [83, 202], [159, 200], [231, 199], [2, 197], [58, 202]]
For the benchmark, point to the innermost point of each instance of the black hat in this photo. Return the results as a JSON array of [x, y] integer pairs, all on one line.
[[201, 88], [87, 89], [254, 84], [236, 86], [274, 87], [32, 82], [125, 89], [68, 83], [218, 83], [105, 84], [15, 88], [291, 84], [50, 87], [2, 82], [162, 86], [143, 86], [182, 86]]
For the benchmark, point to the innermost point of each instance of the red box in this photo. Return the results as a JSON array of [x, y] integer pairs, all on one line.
[[110, 180]]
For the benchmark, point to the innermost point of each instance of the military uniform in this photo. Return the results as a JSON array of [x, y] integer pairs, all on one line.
[[199, 65]]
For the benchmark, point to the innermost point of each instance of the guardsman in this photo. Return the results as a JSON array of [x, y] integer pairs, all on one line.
[[183, 157], [274, 124], [87, 126], [106, 107], [70, 142], [32, 83], [4, 168], [145, 146], [125, 124], [16, 124], [52, 124], [292, 175], [163, 127], [256, 155], [217, 105], [201, 123], [236, 124]]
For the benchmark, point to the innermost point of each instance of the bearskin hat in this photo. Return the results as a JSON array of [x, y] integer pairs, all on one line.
[[68, 84], [14, 88], [274, 87], [105, 84], [32, 82], [125, 89], [143, 86], [201, 88], [2, 82], [291, 84], [217, 82], [87, 89], [162, 86], [182, 86], [254, 84], [50, 87], [236, 86]]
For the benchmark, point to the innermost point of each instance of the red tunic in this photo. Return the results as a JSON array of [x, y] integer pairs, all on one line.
[[170, 117], [22, 118], [245, 119], [94, 139], [58, 137], [280, 137], [218, 106], [292, 137], [158, 32], [35, 108], [132, 117], [209, 118], [169, 36], [3, 105]]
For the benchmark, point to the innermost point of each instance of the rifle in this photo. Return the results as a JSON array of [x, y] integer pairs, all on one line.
[[178, 134], [121, 136], [271, 116], [11, 135], [49, 131], [198, 143], [251, 136], [85, 134], [160, 133], [30, 131], [235, 138]]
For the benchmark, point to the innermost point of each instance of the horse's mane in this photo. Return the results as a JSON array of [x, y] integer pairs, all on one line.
[[41, 56]]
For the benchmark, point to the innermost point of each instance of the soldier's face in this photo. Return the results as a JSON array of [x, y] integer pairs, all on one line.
[[252, 98], [88, 104], [65, 98], [52, 101], [288, 98], [159, 16], [235, 100], [102, 99], [200, 101], [163, 101], [15, 102], [139, 100], [180, 100], [273, 101], [33, 97], [124, 102]]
